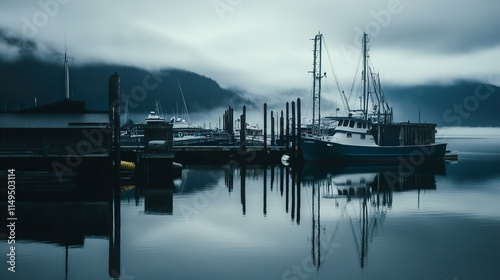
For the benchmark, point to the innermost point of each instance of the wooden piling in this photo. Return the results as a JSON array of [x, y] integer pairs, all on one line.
[[114, 109], [224, 121], [287, 128], [272, 129], [294, 138], [231, 120], [265, 126], [299, 130], [281, 129], [243, 127], [228, 123]]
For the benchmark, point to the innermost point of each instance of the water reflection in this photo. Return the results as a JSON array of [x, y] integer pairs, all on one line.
[[65, 221], [372, 187], [363, 196]]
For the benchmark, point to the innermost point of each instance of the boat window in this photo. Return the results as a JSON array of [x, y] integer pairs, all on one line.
[[346, 122], [358, 125], [351, 124], [364, 125], [349, 135], [363, 136]]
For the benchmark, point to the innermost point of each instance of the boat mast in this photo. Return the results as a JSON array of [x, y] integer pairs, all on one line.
[[66, 68], [365, 76], [66, 76], [379, 95], [317, 76]]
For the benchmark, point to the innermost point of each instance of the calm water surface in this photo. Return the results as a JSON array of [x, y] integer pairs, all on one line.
[[321, 222]]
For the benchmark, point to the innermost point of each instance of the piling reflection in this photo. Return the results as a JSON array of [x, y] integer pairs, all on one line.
[[158, 198], [115, 234], [363, 195]]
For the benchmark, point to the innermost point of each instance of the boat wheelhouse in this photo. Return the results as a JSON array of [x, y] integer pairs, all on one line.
[[348, 130]]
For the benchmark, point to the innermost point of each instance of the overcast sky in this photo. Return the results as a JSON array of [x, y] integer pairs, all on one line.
[[264, 46]]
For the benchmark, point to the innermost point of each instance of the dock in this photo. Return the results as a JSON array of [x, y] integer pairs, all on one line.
[[246, 145]]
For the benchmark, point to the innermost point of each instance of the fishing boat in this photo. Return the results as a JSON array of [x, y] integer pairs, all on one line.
[[365, 135]]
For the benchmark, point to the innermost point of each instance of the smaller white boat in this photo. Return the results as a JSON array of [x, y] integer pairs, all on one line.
[[154, 117]]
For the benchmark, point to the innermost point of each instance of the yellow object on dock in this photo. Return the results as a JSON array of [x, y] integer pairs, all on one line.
[[450, 155], [127, 165]]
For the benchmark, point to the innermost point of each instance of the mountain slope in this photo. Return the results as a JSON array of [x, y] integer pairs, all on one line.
[[463, 103], [23, 81]]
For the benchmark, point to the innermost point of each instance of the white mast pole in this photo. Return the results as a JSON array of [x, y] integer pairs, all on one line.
[[66, 76], [365, 97]]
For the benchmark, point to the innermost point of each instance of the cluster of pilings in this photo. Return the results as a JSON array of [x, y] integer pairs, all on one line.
[[228, 122], [289, 127], [285, 129]]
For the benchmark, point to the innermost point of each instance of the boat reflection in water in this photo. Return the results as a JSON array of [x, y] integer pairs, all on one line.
[[372, 186]]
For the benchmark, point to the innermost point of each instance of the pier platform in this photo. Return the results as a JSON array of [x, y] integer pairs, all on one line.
[[209, 154]]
